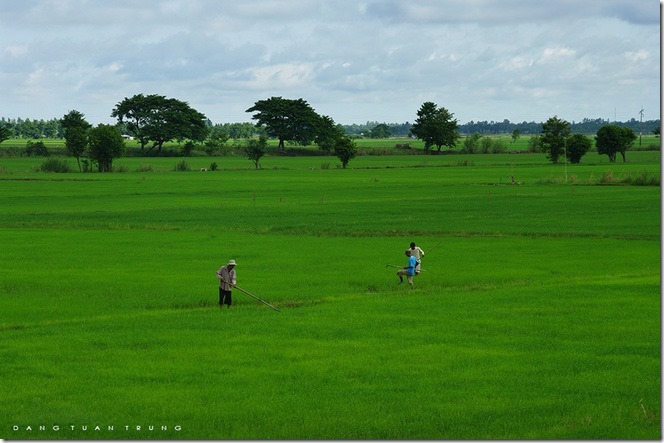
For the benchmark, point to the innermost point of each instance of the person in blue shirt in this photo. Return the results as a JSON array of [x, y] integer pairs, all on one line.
[[408, 271]]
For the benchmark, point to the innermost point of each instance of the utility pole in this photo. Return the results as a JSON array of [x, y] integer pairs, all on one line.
[[641, 127]]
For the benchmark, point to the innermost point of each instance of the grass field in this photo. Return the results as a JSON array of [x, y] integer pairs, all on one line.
[[538, 316]]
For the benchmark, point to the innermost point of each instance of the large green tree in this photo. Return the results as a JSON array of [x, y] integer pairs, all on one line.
[[287, 119], [328, 134], [331, 137], [611, 139], [345, 150], [554, 136], [435, 126], [577, 146], [75, 131], [157, 119], [105, 143], [136, 112]]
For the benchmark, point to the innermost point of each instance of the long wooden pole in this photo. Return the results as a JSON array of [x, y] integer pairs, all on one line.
[[433, 248], [251, 295], [401, 267]]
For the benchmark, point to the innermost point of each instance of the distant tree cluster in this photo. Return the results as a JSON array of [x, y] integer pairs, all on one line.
[[557, 140], [101, 144], [586, 126], [296, 121], [35, 129], [240, 130], [368, 129], [155, 120], [20, 128], [504, 127], [152, 119], [614, 139], [478, 143]]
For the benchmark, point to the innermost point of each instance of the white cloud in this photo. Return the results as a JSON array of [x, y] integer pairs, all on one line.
[[554, 53], [279, 77], [517, 63], [354, 61], [15, 50], [636, 56], [36, 77]]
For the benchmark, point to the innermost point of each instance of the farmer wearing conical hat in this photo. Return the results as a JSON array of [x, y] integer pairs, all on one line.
[[226, 276]]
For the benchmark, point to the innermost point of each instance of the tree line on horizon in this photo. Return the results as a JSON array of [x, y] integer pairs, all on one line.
[[154, 120], [39, 128]]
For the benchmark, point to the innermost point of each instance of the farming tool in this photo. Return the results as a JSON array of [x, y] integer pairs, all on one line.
[[251, 295], [421, 270], [401, 267], [434, 248]]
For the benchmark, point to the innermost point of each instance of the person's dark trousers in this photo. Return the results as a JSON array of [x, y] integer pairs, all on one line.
[[224, 297]]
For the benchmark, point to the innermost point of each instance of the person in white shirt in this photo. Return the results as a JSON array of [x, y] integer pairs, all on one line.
[[418, 253], [227, 280]]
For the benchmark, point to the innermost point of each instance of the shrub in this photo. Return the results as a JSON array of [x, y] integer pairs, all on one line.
[[37, 149], [608, 179], [145, 167], [213, 166], [182, 166], [55, 165], [486, 145], [471, 143], [646, 179], [498, 146], [535, 144], [643, 178], [120, 168]]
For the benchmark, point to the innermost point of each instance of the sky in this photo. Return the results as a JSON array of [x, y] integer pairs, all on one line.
[[353, 60]]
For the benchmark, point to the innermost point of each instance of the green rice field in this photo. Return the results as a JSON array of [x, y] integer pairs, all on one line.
[[538, 315]]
